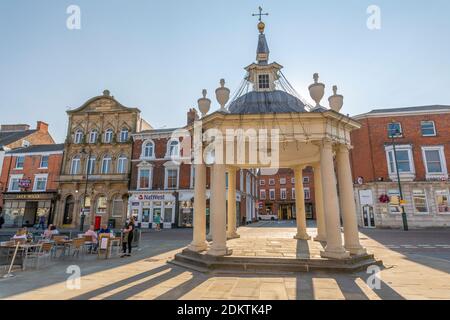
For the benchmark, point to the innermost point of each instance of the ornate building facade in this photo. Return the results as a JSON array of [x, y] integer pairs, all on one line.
[[96, 168]]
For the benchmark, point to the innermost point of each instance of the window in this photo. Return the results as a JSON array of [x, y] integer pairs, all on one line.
[[19, 162], [102, 205], [78, 136], [262, 182], [305, 180], [106, 164], [428, 128], [262, 194], [442, 197], [404, 161], [263, 80], [272, 194], [149, 149], [144, 178], [85, 203], [90, 165], [44, 162], [293, 194], [283, 194], [271, 182], [420, 201], [174, 148], [122, 163], [93, 136], [292, 180], [75, 165], [395, 129], [282, 181], [172, 178], [434, 160], [117, 207], [307, 193], [394, 201], [108, 136], [40, 182], [14, 183], [124, 135]]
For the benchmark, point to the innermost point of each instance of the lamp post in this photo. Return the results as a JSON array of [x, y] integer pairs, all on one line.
[[88, 169], [394, 134]]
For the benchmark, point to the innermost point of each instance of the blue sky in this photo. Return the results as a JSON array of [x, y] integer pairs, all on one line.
[[159, 55]]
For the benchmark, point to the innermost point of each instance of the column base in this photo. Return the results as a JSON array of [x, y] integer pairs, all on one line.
[[338, 254], [233, 235], [219, 252], [302, 236], [198, 247], [320, 238], [356, 250]]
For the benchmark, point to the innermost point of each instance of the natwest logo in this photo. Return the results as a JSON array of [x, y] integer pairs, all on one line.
[[150, 197]]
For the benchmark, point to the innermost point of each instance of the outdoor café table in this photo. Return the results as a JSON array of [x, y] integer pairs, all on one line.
[[64, 244], [24, 248]]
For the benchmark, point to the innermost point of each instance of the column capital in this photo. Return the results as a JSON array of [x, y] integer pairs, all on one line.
[[344, 148]]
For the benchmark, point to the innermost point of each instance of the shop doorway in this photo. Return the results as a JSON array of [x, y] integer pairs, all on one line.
[[68, 210], [368, 217], [29, 219]]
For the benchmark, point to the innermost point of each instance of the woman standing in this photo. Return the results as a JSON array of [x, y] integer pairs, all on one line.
[[157, 222], [127, 239]]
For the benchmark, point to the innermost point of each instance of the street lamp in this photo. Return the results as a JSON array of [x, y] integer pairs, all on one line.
[[88, 169], [395, 133]]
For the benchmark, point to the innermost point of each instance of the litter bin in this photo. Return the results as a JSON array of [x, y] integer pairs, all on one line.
[[112, 223], [136, 237]]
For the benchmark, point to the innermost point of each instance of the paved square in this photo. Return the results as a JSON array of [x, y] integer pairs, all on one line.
[[417, 266]]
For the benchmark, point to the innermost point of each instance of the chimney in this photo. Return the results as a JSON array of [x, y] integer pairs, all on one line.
[[192, 116], [42, 127]]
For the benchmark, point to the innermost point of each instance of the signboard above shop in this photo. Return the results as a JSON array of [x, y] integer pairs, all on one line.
[[152, 197]]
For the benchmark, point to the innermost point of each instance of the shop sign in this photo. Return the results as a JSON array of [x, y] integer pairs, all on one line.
[[26, 196], [153, 197], [366, 197], [24, 183]]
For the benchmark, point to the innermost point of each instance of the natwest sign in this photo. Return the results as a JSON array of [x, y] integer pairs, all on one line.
[[153, 197]]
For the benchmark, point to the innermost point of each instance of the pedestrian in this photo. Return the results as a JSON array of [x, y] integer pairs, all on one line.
[[157, 222], [2, 220], [127, 238], [41, 222]]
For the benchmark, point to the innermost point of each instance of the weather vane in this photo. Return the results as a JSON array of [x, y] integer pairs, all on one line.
[[260, 14]]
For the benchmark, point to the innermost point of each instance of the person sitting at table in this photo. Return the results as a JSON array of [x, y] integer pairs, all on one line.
[[54, 231], [48, 232], [20, 234], [93, 234], [104, 230]]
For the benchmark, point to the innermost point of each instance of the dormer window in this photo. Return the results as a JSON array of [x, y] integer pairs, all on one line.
[[263, 81]]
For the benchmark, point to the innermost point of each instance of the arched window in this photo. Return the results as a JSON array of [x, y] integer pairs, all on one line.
[[117, 207], [78, 136], [106, 164], [75, 165], [124, 135], [122, 164], [90, 165], [108, 136], [149, 150], [102, 205], [174, 148], [93, 135], [68, 210]]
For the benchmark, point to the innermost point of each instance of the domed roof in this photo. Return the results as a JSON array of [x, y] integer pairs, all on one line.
[[276, 101]]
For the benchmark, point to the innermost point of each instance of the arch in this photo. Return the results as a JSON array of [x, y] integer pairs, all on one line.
[[173, 148], [108, 135], [69, 205], [148, 149], [78, 136], [75, 165], [124, 133]]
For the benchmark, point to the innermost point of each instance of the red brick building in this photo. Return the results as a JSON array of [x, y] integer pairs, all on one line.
[[422, 139], [162, 181], [29, 176], [277, 194]]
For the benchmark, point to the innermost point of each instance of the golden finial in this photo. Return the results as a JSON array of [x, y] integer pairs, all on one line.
[[261, 24]]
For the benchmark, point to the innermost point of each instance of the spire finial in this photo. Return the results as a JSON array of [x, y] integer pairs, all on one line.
[[261, 24], [335, 88]]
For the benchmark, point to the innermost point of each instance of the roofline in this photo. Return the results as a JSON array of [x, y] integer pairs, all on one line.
[[388, 113], [88, 102], [12, 153]]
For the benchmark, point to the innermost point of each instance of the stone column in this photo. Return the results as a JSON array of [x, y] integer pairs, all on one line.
[[199, 226], [320, 215], [231, 226], [300, 205], [334, 248], [211, 200], [351, 233], [218, 223]]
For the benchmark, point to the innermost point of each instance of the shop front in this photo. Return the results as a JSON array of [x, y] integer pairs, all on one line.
[[25, 209], [146, 206]]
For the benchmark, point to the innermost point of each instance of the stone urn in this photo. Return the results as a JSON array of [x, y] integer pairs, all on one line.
[[317, 90], [204, 104], [336, 100], [222, 95]]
